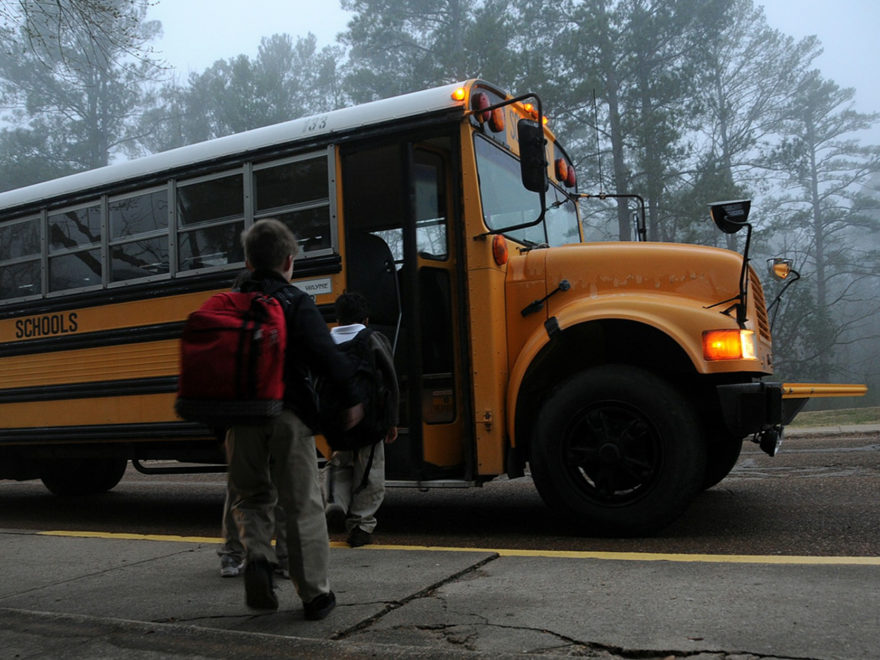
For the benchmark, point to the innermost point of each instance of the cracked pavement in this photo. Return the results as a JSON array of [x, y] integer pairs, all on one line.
[[95, 597]]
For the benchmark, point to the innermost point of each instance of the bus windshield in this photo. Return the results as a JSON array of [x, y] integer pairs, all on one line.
[[507, 203]]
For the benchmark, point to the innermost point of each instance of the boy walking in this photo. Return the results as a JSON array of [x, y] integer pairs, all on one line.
[[356, 479], [231, 551], [279, 455]]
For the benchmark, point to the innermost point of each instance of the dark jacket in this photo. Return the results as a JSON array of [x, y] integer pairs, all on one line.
[[310, 350]]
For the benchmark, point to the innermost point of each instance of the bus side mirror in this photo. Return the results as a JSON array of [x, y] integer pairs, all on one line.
[[732, 216], [532, 156], [780, 268]]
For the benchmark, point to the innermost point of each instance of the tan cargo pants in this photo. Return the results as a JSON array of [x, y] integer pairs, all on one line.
[[358, 491], [293, 473]]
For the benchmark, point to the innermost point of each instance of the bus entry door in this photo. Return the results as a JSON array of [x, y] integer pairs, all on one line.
[[398, 255]]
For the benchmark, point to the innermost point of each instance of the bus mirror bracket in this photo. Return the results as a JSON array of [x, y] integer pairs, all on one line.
[[782, 270], [730, 217]]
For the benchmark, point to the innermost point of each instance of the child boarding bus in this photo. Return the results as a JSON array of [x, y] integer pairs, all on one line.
[[625, 375]]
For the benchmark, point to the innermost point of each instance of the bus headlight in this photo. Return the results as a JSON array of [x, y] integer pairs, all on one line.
[[729, 345]]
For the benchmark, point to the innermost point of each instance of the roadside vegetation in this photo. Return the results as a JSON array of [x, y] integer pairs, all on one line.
[[847, 416]]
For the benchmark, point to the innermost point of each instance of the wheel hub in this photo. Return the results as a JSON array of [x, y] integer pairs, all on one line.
[[609, 453]]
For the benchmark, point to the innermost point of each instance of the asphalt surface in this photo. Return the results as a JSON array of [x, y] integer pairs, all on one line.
[[95, 595], [99, 597]]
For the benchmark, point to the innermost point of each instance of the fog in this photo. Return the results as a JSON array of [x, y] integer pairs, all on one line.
[[196, 33]]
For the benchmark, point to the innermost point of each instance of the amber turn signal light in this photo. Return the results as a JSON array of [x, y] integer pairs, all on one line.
[[729, 345], [499, 249]]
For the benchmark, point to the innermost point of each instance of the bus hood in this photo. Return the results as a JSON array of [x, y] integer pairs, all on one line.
[[680, 289], [705, 274]]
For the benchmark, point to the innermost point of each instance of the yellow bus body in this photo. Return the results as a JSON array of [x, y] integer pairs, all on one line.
[[507, 326]]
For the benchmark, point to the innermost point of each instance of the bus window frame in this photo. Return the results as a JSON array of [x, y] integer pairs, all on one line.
[[30, 217], [61, 210], [172, 231], [38, 257], [328, 152], [170, 224], [179, 230], [79, 248], [195, 181]]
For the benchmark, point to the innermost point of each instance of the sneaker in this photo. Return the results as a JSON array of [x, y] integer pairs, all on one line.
[[320, 606], [259, 587], [335, 518], [230, 566], [358, 537]]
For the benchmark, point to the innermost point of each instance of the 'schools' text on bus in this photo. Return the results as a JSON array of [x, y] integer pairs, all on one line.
[[611, 369]]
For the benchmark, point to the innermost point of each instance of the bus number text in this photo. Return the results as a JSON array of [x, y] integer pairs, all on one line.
[[316, 124]]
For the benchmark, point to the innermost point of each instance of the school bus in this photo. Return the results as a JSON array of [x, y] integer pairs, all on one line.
[[623, 375]]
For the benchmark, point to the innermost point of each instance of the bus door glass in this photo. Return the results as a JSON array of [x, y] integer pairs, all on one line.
[[396, 201]]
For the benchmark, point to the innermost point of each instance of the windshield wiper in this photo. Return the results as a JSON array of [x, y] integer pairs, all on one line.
[[529, 245]]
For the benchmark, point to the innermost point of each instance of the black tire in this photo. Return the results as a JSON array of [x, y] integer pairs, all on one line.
[[619, 449], [82, 476], [722, 455]]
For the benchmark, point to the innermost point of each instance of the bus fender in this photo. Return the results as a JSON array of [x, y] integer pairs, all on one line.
[[684, 328]]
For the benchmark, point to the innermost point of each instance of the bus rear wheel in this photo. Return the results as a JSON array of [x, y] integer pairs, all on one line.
[[618, 449], [82, 476]]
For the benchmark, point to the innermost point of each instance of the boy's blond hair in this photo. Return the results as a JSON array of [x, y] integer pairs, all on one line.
[[267, 243]]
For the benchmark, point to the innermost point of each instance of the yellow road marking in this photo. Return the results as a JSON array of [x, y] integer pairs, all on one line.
[[508, 552], [121, 536]]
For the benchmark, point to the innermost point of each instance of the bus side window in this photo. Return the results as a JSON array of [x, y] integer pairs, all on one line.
[[138, 235], [297, 192], [75, 248], [20, 259], [210, 218]]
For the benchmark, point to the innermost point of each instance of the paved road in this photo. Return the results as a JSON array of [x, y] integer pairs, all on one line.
[[88, 596], [818, 497]]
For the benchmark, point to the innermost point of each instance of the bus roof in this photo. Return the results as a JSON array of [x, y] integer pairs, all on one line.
[[334, 121]]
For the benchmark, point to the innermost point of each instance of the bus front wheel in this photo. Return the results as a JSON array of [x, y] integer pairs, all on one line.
[[618, 449], [82, 476], [723, 453]]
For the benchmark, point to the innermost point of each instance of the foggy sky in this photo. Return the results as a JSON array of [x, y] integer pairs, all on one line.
[[199, 32]]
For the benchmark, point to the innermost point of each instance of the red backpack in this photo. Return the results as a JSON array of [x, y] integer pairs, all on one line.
[[232, 360]]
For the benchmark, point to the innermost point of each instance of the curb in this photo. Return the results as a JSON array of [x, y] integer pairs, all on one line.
[[82, 636]]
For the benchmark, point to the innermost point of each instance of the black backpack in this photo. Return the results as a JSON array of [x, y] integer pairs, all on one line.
[[371, 391]]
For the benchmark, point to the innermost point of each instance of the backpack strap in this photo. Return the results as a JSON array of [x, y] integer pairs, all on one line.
[[364, 480], [367, 469], [281, 292]]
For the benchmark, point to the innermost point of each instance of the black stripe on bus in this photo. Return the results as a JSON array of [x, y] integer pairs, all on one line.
[[115, 337], [312, 267], [108, 432], [132, 387]]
